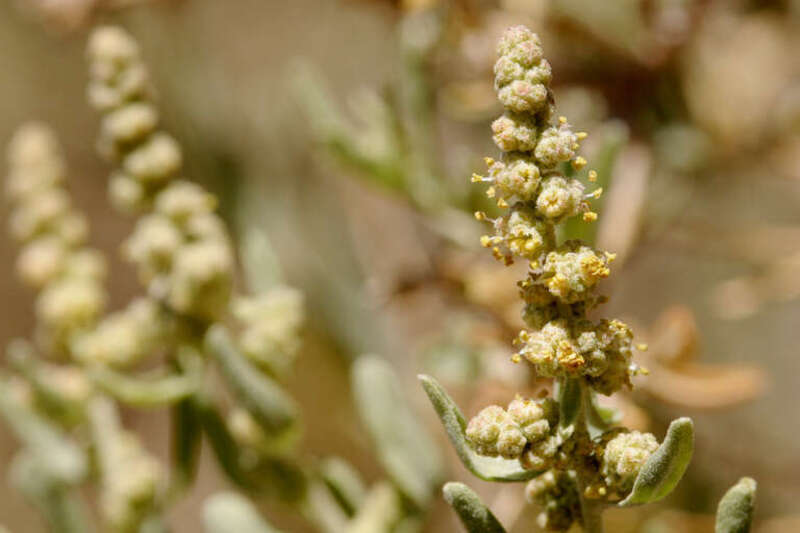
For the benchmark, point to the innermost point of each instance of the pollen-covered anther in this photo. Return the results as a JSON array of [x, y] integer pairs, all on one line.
[[578, 163]]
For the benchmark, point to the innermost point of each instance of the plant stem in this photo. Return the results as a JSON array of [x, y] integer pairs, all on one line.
[[591, 511]]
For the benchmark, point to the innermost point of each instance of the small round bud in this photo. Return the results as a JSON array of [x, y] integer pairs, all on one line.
[[521, 45], [128, 124], [153, 244], [69, 305], [181, 200], [110, 50], [271, 326], [125, 337], [624, 456], [515, 178], [522, 96], [39, 213], [126, 194], [484, 429], [573, 270], [201, 278], [156, 160], [560, 198], [533, 417], [41, 261], [514, 133], [556, 145]]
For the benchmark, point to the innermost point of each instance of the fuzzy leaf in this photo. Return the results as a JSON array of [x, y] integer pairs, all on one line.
[[57, 455], [270, 406], [260, 262], [344, 482], [486, 468], [143, 392], [735, 509], [185, 442], [405, 449], [228, 511], [476, 517], [666, 466], [63, 510], [380, 513]]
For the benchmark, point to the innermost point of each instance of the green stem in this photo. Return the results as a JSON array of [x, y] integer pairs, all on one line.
[[591, 511]]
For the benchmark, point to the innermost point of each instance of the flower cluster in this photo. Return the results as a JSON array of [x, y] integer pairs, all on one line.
[[271, 321], [556, 493], [533, 183], [179, 245], [525, 431], [623, 456], [54, 259]]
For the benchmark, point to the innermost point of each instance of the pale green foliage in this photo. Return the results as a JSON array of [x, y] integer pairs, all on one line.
[[476, 517], [735, 510]]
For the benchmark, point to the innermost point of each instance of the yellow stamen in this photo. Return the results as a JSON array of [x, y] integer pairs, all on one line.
[[592, 176], [589, 216]]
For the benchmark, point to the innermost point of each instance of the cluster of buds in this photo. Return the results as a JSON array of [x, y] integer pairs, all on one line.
[[130, 476], [271, 326], [70, 277], [180, 245], [624, 453], [534, 186], [525, 431], [556, 494], [54, 259]]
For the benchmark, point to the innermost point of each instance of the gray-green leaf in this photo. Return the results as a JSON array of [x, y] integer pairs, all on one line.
[[476, 517], [228, 511], [405, 449], [270, 406], [662, 472], [486, 468], [61, 458], [735, 509]]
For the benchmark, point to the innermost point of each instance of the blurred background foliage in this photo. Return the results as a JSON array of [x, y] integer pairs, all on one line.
[[347, 130]]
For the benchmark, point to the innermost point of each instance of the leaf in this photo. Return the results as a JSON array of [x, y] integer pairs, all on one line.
[[664, 469], [224, 512], [59, 457], [263, 398], [186, 439], [344, 482], [405, 449], [224, 447], [735, 509], [476, 517], [143, 392], [63, 511], [260, 262], [486, 468], [382, 510]]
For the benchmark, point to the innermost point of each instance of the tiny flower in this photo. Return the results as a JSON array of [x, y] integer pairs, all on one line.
[[560, 198], [624, 456], [515, 133], [201, 279], [155, 160], [556, 145]]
